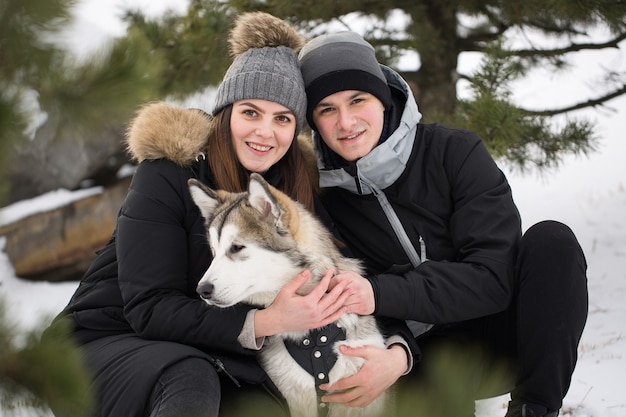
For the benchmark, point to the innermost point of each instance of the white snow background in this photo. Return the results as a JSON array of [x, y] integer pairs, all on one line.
[[587, 193]]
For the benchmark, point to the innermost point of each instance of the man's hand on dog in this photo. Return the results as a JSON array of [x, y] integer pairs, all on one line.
[[381, 370], [360, 293]]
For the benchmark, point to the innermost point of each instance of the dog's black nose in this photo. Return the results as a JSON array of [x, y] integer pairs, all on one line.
[[205, 290]]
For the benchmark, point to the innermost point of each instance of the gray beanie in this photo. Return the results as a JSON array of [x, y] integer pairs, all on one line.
[[341, 61], [265, 65]]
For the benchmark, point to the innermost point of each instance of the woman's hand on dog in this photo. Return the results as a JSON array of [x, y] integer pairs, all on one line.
[[293, 312]]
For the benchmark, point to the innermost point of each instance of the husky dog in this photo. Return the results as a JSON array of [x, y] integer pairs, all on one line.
[[261, 239]]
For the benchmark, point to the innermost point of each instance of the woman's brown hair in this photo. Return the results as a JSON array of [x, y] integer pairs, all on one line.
[[296, 176]]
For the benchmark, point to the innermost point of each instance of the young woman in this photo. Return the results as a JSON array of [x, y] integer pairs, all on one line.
[[153, 347]]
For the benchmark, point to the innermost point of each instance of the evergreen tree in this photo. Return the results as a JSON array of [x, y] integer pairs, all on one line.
[[174, 56], [77, 99], [436, 33], [37, 373]]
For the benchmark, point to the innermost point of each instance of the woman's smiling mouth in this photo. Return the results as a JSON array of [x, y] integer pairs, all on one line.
[[257, 147]]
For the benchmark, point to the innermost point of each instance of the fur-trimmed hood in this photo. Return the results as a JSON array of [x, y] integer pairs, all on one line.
[[163, 130]]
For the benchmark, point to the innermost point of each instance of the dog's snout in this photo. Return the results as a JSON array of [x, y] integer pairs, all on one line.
[[205, 289]]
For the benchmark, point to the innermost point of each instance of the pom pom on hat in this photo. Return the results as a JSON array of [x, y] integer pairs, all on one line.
[[265, 64], [258, 30]]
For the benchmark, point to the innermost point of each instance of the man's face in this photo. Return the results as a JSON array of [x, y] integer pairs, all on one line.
[[350, 122]]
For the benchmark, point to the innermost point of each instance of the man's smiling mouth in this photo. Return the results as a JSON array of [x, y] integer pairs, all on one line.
[[352, 136]]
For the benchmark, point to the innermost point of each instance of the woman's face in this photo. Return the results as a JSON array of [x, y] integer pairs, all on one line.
[[262, 132]]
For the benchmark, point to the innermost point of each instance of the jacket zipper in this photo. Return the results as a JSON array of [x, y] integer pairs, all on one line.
[[397, 227]]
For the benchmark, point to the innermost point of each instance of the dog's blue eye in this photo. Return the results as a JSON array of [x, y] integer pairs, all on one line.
[[236, 248]]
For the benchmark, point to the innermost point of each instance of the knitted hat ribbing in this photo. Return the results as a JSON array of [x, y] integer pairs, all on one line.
[[265, 65], [337, 62]]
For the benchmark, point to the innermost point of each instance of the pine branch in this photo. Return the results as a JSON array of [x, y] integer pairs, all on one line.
[[574, 47], [496, 22], [42, 372], [549, 28], [583, 105], [472, 43]]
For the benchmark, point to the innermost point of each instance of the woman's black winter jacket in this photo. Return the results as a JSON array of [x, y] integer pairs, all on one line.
[[144, 280]]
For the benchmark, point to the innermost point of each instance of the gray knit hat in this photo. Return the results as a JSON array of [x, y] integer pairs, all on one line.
[[265, 65], [341, 61]]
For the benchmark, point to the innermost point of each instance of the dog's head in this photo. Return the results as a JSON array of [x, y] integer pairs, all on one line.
[[251, 236]]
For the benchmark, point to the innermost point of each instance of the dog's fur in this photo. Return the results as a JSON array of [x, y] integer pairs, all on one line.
[[261, 240]]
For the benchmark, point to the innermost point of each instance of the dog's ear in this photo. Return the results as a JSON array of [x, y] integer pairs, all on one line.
[[205, 198], [261, 198]]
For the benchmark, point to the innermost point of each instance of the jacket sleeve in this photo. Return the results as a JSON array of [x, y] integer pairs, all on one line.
[[484, 229], [158, 270]]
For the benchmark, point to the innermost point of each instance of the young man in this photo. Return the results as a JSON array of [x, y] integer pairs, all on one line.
[[432, 216]]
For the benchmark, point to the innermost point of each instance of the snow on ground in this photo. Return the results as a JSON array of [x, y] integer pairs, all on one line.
[[44, 202], [589, 194]]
